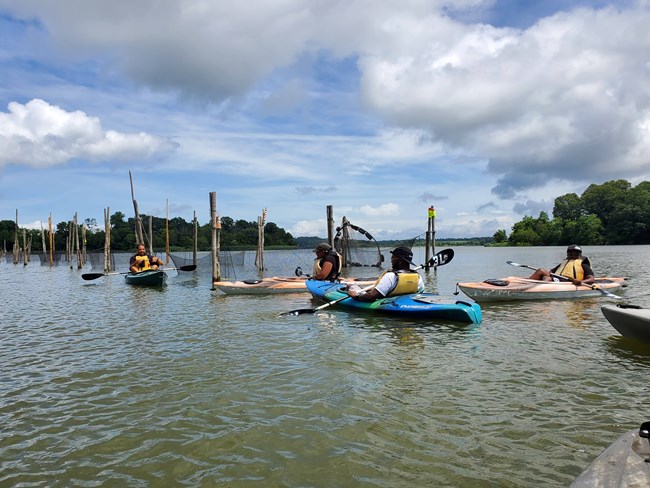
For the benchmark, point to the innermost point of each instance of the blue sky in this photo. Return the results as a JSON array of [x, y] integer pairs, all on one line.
[[486, 109]]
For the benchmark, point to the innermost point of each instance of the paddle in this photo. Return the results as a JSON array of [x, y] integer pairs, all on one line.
[[94, 276], [564, 278], [443, 257]]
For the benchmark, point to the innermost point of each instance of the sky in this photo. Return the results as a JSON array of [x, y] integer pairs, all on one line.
[[485, 109]]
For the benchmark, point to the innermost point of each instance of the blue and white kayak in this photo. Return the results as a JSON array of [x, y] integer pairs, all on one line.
[[422, 305]]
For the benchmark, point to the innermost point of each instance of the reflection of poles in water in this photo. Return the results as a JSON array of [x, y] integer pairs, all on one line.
[[431, 237]]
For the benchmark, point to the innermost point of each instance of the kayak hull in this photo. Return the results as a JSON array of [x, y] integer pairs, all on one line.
[[622, 464], [518, 288], [274, 285], [417, 305], [629, 321], [152, 277]]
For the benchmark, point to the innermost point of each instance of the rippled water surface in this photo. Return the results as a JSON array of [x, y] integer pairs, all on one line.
[[103, 384]]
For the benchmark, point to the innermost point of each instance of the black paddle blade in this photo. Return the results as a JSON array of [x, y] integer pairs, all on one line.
[[189, 267], [91, 276], [294, 313], [443, 257]]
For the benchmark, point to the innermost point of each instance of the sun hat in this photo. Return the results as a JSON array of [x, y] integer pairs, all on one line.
[[323, 246]]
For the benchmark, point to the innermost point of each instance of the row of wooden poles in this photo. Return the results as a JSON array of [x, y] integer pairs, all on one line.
[[73, 245]]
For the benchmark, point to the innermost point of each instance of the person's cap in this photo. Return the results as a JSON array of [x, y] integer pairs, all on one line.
[[574, 247], [323, 246], [403, 252]]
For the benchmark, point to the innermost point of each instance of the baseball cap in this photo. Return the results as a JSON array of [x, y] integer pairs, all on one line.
[[574, 247], [323, 246]]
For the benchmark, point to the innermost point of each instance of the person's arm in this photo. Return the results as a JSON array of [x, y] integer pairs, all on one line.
[[369, 296], [133, 268]]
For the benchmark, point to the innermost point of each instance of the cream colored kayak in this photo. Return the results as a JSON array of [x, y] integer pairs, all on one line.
[[629, 320], [276, 284], [518, 288]]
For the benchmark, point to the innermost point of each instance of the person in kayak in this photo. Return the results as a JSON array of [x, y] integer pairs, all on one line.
[[576, 268], [327, 264], [142, 261], [400, 280]]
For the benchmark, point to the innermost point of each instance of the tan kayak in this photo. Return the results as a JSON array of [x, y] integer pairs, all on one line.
[[518, 288], [276, 284]]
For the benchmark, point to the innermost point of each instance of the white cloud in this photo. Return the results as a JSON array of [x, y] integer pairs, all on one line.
[[383, 210], [39, 134]]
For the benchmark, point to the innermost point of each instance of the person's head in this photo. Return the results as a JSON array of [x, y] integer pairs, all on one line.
[[573, 251], [401, 257], [322, 249], [140, 249]]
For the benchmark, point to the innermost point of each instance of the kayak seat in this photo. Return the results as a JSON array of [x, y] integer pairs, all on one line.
[[494, 282]]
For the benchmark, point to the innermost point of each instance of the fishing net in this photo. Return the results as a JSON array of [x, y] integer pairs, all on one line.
[[96, 260], [231, 262], [357, 246]]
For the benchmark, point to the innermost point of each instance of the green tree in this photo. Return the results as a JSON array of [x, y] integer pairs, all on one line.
[[500, 236], [567, 207]]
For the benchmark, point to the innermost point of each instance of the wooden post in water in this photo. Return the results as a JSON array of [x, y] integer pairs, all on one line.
[[49, 223], [430, 237], [166, 231], [26, 247], [259, 255], [43, 246], [16, 249], [345, 244], [330, 225], [83, 246], [108, 265], [195, 247], [216, 272], [139, 238], [149, 237]]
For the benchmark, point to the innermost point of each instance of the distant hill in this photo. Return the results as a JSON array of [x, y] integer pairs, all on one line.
[[311, 242]]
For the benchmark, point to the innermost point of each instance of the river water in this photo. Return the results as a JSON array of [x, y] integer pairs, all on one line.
[[103, 384]]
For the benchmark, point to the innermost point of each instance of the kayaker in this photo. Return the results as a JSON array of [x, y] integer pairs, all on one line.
[[400, 280], [142, 261], [327, 264], [576, 268]]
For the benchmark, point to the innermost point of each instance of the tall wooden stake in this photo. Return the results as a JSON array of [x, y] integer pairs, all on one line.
[[139, 238]]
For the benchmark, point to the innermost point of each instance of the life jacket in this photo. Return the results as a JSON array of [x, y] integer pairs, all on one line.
[[571, 268], [142, 259], [407, 282], [336, 269]]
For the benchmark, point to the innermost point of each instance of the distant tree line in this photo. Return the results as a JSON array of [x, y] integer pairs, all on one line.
[[611, 213], [235, 234]]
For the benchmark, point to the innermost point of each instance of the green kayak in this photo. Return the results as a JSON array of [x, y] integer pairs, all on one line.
[[151, 277]]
